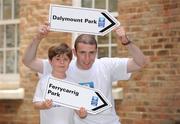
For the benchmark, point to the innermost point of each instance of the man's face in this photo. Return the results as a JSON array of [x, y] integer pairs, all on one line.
[[86, 55]]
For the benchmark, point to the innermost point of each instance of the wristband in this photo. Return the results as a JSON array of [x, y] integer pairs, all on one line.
[[126, 43]]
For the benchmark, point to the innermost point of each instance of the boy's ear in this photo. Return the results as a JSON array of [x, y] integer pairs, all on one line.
[[50, 61], [74, 52]]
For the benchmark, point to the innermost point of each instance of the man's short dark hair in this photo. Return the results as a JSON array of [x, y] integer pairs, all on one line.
[[86, 39]]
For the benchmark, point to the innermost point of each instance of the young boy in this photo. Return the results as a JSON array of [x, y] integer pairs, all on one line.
[[59, 57]]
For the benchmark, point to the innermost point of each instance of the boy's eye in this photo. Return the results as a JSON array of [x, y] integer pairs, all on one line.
[[66, 59]]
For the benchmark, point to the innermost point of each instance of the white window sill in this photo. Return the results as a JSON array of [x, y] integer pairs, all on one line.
[[12, 94], [10, 87], [117, 93], [9, 81]]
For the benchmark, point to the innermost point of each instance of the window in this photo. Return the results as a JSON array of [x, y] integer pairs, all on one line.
[[107, 46], [9, 40]]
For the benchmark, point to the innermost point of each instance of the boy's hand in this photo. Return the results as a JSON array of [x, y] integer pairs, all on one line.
[[82, 112], [47, 104]]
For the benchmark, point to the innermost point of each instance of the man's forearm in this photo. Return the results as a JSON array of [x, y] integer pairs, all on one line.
[[29, 58], [137, 55], [138, 59], [30, 52]]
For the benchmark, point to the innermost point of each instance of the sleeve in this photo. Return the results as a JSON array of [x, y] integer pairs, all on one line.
[[47, 69], [119, 69], [116, 68], [38, 95]]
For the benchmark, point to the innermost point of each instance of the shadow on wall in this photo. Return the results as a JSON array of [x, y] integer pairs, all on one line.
[[9, 110]]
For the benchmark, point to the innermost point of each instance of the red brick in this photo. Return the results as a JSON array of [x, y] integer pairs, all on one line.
[[150, 96]]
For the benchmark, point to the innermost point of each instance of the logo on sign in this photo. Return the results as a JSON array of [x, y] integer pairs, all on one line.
[[89, 84], [94, 101], [101, 22]]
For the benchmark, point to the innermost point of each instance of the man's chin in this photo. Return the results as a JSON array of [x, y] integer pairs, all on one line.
[[86, 67]]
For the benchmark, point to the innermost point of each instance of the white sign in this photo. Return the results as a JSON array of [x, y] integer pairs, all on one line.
[[74, 96], [81, 20]]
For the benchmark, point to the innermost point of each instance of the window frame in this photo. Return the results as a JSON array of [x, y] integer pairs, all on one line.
[[14, 80], [109, 45]]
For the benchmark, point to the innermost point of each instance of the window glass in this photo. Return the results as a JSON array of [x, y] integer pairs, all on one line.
[[113, 5], [87, 3], [18, 35], [114, 51], [16, 7], [102, 52], [1, 36], [1, 61], [100, 4], [10, 61], [7, 9], [113, 37], [0, 10], [103, 39], [10, 36], [17, 66]]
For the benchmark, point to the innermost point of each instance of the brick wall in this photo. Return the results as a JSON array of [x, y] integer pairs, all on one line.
[[151, 96], [32, 14]]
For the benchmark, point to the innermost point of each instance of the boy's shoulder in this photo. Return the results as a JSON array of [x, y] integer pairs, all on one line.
[[44, 77]]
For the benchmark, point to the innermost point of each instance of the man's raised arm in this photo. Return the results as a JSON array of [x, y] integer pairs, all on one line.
[[29, 58], [139, 60]]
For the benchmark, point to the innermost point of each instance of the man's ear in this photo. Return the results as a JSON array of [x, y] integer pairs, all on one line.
[[74, 52]]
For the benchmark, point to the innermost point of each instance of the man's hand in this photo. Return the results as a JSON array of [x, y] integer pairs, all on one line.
[[82, 112], [43, 31], [120, 31]]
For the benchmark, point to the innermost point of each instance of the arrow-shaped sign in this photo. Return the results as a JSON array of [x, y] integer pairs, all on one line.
[[81, 20], [74, 96]]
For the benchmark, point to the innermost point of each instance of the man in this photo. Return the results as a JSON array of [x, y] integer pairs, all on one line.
[[87, 70]]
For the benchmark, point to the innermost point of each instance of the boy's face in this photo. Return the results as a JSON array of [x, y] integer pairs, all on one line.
[[86, 55], [60, 63]]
